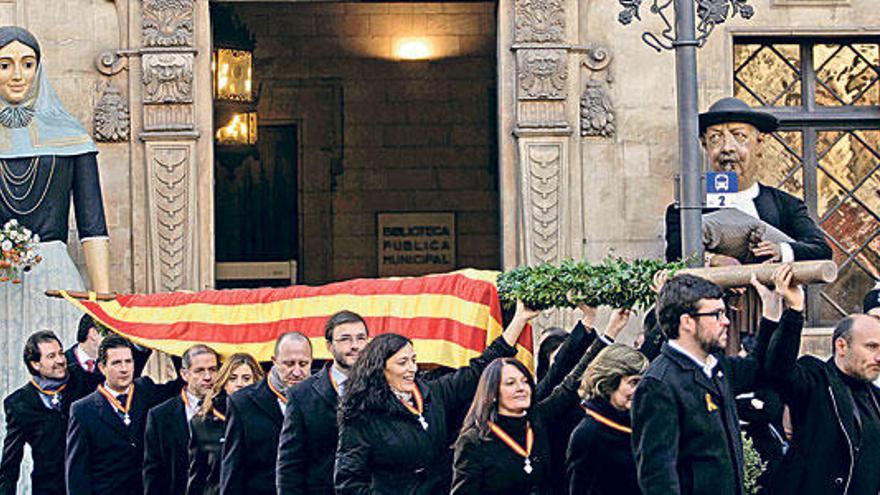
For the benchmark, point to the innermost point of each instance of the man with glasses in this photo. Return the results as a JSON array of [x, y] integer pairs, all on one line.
[[686, 433], [166, 459], [307, 447]]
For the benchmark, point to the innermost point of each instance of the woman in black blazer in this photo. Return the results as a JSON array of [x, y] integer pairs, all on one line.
[[393, 435], [207, 427], [600, 457]]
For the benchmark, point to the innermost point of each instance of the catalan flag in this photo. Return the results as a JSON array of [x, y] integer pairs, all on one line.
[[450, 317]]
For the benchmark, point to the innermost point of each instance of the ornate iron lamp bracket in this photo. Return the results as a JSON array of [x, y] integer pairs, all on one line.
[[709, 14]]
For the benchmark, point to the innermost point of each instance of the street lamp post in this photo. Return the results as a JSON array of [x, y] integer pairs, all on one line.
[[688, 36]]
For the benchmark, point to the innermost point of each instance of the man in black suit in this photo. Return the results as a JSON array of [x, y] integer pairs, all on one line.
[[166, 458], [105, 433], [82, 356], [835, 410], [36, 415], [732, 133], [254, 417], [307, 447], [686, 433]]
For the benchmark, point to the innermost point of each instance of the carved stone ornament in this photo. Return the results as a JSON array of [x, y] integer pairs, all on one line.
[[597, 112], [168, 78], [169, 186], [544, 167], [167, 23], [112, 122], [539, 21], [542, 74]]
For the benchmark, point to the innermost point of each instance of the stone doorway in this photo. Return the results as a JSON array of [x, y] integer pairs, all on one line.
[[396, 111]]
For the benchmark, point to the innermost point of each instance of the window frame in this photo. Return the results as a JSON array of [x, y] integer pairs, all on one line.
[[810, 119]]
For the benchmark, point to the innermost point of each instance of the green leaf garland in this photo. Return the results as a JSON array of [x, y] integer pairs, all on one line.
[[615, 282]]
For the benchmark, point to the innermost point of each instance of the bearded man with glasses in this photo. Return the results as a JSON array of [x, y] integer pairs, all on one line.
[[686, 432]]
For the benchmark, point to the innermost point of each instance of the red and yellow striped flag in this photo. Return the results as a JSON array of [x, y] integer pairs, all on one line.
[[450, 317]]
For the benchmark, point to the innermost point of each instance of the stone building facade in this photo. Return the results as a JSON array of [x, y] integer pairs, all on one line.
[[546, 126], [550, 132]]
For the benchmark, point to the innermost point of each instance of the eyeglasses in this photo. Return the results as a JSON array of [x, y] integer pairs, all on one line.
[[348, 339], [717, 314]]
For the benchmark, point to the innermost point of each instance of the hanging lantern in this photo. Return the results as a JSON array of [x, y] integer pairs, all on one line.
[[240, 130], [233, 75]]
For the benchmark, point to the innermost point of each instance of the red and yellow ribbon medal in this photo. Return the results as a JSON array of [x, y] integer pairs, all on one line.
[[275, 391], [420, 406], [51, 393], [525, 452], [118, 405], [215, 412]]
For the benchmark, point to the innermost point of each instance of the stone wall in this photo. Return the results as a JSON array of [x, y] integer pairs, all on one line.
[[415, 135]]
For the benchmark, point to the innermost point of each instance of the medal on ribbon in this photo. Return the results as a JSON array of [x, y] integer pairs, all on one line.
[[51, 393], [420, 406], [510, 442], [123, 409]]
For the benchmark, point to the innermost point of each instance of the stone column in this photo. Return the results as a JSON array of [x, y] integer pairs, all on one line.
[[175, 164], [541, 132]]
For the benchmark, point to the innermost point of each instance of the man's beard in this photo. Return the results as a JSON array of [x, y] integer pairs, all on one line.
[[708, 345], [342, 361]]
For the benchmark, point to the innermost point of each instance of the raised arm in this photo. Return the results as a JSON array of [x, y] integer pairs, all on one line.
[[457, 389], [579, 339]]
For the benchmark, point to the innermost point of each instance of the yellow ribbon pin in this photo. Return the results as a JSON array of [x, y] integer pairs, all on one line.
[[710, 406]]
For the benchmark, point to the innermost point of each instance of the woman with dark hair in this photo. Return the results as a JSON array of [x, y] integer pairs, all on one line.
[[600, 457], [505, 443], [394, 428], [208, 426]]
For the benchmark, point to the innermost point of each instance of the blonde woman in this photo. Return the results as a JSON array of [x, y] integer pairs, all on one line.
[[208, 426], [600, 459]]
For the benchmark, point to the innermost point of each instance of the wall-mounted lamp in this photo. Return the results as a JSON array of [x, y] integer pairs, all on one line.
[[413, 49]]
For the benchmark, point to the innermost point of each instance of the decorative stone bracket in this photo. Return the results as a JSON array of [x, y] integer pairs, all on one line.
[[597, 110]]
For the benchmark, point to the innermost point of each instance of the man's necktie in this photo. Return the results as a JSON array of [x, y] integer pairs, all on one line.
[[90, 365]]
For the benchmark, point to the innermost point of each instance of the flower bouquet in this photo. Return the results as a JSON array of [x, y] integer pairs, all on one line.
[[18, 251]]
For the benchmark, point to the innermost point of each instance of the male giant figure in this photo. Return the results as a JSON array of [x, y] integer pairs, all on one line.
[[732, 133]]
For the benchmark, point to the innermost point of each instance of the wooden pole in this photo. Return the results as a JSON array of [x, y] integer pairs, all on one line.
[[805, 272], [99, 296]]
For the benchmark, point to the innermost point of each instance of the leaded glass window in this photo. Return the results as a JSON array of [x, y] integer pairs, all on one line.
[[826, 93]]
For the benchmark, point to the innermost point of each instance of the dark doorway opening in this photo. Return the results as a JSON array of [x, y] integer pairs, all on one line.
[[257, 211]]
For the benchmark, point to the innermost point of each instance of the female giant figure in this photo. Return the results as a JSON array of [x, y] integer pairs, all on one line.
[[46, 158]]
